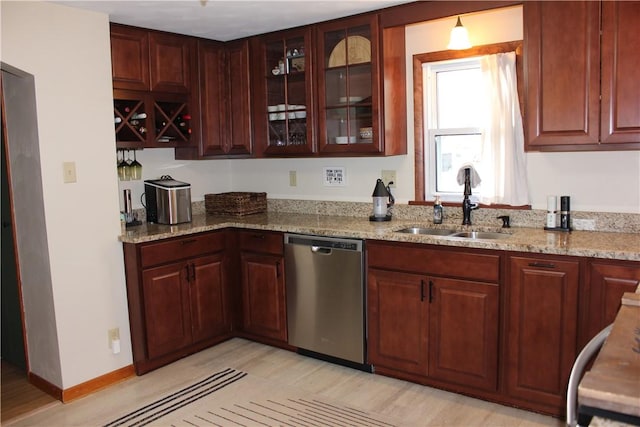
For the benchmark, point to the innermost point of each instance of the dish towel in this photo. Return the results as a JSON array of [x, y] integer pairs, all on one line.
[[475, 178]]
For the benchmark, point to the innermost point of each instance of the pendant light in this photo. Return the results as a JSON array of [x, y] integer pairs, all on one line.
[[459, 37]]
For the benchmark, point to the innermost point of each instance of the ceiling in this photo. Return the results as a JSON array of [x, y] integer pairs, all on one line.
[[227, 20]]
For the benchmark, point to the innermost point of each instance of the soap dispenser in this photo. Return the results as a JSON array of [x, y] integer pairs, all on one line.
[[438, 215]]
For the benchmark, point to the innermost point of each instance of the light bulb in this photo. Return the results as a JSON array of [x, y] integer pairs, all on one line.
[[459, 37]]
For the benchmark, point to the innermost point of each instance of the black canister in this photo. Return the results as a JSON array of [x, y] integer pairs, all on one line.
[[565, 212]]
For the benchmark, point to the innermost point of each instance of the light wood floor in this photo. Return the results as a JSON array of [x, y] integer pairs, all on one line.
[[413, 404], [18, 395]]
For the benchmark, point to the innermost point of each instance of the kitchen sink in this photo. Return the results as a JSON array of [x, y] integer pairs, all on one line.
[[444, 232], [480, 235], [427, 231]]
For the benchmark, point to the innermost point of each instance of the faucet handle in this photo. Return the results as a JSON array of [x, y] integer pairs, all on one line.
[[505, 221]]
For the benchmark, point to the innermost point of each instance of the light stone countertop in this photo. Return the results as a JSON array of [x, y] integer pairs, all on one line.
[[607, 245]]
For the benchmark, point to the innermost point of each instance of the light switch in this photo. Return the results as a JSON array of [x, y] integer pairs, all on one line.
[[69, 172], [293, 179]]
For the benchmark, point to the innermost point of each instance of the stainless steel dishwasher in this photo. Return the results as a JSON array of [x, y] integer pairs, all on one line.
[[326, 298]]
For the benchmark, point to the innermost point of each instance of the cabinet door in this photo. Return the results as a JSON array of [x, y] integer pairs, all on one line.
[[238, 107], [541, 328], [208, 296], [172, 61], [562, 75], [284, 93], [463, 335], [129, 57], [263, 295], [397, 307], [166, 308], [349, 86], [620, 121], [607, 283], [212, 97]]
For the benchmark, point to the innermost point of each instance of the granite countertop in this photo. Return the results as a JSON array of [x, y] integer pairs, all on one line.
[[622, 246]]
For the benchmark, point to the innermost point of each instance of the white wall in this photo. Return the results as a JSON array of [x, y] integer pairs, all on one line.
[[68, 53], [599, 182]]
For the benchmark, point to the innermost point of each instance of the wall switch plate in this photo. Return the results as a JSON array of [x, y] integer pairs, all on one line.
[[334, 176], [114, 334], [293, 179], [389, 176], [69, 172]]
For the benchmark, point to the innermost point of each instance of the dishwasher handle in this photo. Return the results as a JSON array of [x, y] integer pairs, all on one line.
[[320, 250]]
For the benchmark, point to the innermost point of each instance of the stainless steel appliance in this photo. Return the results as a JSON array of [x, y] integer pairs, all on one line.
[[168, 200], [326, 298]]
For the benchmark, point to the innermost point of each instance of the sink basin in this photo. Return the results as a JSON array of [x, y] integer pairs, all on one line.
[[487, 235], [427, 231]]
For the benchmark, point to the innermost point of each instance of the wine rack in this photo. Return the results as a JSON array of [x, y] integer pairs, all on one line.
[[150, 120]]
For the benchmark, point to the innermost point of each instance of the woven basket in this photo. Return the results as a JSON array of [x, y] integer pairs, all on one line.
[[235, 203]]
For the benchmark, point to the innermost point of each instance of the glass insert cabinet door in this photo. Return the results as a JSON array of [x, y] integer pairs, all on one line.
[[347, 95], [288, 94]]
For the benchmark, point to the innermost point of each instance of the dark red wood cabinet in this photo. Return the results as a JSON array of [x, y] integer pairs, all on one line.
[[178, 296], [155, 88], [264, 312], [541, 328], [605, 283], [581, 93], [429, 319]]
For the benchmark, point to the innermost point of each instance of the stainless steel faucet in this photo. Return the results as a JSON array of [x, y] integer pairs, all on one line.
[[467, 206]]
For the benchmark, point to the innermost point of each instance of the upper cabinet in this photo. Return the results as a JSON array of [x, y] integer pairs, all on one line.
[[284, 90], [224, 101], [151, 61], [172, 58], [155, 88], [330, 89], [361, 88], [581, 90], [130, 57]]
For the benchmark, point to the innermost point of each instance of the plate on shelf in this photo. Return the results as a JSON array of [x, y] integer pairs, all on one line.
[[350, 99], [345, 139], [359, 51]]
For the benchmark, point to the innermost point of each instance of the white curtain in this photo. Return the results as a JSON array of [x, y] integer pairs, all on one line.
[[503, 165]]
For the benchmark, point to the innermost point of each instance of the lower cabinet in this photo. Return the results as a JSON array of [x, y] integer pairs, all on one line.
[[607, 281], [463, 331], [264, 308], [541, 327], [177, 297], [426, 325]]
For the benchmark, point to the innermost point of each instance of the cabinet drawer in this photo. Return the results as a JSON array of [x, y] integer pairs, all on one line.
[[261, 241], [184, 247], [441, 262]]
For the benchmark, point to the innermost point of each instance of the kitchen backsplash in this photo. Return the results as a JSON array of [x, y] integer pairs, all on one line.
[[598, 221]]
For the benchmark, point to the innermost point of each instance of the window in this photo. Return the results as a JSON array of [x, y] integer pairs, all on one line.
[[460, 121], [453, 97]]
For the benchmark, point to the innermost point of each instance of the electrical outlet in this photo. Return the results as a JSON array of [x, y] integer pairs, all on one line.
[[584, 224], [69, 172], [389, 176], [293, 179], [334, 176]]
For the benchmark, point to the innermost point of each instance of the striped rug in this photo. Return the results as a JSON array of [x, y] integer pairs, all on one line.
[[232, 398]]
